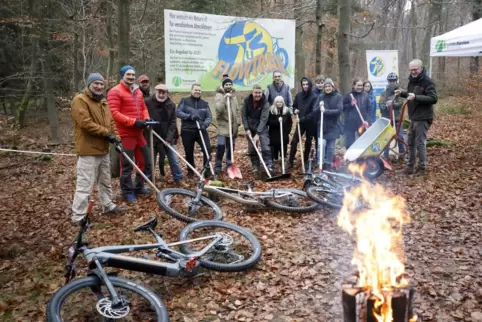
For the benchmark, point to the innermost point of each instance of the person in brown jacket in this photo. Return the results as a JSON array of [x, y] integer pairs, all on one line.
[[94, 129]]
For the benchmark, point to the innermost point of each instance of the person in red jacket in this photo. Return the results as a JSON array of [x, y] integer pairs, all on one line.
[[130, 114]]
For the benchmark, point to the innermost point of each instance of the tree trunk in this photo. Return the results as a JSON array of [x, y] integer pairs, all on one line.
[[319, 37], [433, 16], [76, 63], [344, 45], [476, 14], [299, 52], [110, 42], [22, 109], [413, 16], [124, 29], [396, 23]]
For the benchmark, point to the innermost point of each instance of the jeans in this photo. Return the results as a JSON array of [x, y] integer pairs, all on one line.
[[223, 145], [189, 138], [401, 146], [265, 150], [328, 152], [164, 151], [134, 146], [417, 142]]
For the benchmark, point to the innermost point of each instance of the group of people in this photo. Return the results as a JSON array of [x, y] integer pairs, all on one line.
[[267, 117]]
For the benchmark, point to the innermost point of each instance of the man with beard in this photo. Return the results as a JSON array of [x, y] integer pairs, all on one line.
[[162, 109], [144, 85], [224, 93], [303, 106], [421, 96], [255, 115], [94, 128], [127, 105], [193, 110], [279, 88]]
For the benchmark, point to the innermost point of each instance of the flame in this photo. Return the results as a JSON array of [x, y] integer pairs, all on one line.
[[361, 129], [379, 242]]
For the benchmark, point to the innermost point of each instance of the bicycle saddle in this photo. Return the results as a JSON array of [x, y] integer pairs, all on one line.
[[151, 224]]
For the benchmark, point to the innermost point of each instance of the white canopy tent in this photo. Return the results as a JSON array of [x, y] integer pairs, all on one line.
[[463, 41]]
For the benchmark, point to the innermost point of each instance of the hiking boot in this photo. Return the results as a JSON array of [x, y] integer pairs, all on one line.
[[407, 170], [420, 172], [115, 211], [130, 197], [143, 191]]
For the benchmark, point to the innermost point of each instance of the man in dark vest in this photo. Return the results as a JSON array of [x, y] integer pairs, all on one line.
[[279, 88]]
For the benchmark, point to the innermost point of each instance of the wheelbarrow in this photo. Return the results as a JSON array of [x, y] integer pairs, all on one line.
[[367, 150]]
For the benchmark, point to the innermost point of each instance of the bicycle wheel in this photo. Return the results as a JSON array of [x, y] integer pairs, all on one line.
[[295, 201], [325, 196], [99, 308], [237, 251], [172, 198]]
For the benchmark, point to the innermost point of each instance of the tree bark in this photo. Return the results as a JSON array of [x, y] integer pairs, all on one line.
[[435, 10], [319, 37], [344, 45], [110, 42], [299, 53], [75, 57], [413, 16], [124, 29], [476, 14]]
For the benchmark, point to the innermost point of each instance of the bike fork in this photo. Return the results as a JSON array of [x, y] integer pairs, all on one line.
[[105, 279]]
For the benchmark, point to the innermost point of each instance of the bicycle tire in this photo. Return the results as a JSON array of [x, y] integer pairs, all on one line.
[[311, 192], [162, 200], [292, 209], [250, 262], [57, 300]]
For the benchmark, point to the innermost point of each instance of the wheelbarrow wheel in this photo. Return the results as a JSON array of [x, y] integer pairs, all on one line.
[[373, 168]]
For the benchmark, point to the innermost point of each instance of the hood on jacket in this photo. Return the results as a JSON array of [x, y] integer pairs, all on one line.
[[220, 90], [310, 85]]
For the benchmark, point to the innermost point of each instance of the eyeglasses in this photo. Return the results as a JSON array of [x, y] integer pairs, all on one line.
[[414, 69]]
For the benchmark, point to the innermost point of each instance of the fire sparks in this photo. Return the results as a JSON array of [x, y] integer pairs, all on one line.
[[379, 254]]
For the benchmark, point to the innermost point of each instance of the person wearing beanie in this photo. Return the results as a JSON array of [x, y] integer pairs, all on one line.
[[224, 93], [145, 85], [162, 109], [193, 110], [94, 129], [130, 113], [302, 106]]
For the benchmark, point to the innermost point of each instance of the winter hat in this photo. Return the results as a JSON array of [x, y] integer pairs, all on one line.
[[124, 69], [142, 78], [94, 77], [329, 81], [227, 80], [161, 87]]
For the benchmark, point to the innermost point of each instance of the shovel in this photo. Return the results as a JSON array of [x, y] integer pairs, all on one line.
[[208, 156], [233, 171], [359, 114], [320, 139], [300, 144], [270, 178], [286, 175]]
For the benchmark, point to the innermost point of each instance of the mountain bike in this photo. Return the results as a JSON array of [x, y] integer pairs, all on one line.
[[280, 52], [284, 199], [112, 297]]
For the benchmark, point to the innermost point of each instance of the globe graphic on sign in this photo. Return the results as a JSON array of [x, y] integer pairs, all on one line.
[[242, 42], [176, 81], [440, 45], [377, 66]]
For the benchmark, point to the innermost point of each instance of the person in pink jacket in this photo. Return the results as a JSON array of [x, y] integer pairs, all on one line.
[[130, 114]]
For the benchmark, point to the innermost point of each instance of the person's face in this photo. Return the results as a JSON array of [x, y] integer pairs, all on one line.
[[328, 89], [97, 87], [392, 83], [196, 92], [277, 77], [228, 87], [257, 93], [161, 95], [129, 77], [144, 85], [305, 85], [367, 87], [279, 104], [319, 84], [358, 86], [415, 69]]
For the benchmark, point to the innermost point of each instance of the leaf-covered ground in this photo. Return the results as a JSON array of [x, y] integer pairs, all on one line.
[[305, 257]]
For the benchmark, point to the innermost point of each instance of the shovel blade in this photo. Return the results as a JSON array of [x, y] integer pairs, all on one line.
[[233, 172], [280, 177]]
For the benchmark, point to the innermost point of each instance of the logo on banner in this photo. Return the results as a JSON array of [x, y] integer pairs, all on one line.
[[440, 45], [248, 53], [377, 66], [176, 81]]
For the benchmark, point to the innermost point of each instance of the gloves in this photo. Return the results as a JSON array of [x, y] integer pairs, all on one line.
[[140, 124], [111, 138], [195, 117], [296, 111], [119, 147]]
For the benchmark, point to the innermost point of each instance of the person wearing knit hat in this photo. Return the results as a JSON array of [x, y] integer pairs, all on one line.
[[126, 102], [224, 93], [145, 85], [94, 129]]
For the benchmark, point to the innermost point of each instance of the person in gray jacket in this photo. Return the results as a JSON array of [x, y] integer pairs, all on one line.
[[279, 88], [255, 115]]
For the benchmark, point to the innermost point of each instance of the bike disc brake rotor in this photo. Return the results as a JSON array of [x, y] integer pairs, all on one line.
[[104, 307], [223, 245]]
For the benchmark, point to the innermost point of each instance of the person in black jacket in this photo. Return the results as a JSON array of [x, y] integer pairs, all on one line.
[[421, 95], [302, 106], [277, 110], [352, 119], [333, 106], [162, 109], [194, 109]]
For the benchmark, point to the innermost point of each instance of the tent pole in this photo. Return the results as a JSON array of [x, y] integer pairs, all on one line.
[[430, 68]]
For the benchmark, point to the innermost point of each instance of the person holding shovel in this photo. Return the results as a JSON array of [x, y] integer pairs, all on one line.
[[195, 114], [94, 128], [255, 115], [224, 93], [353, 121]]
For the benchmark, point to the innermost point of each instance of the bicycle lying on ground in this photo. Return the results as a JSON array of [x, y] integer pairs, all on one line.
[[284, 199], [110, 293]]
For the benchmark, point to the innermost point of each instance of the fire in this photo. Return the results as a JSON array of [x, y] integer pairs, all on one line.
[[379, 254]]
